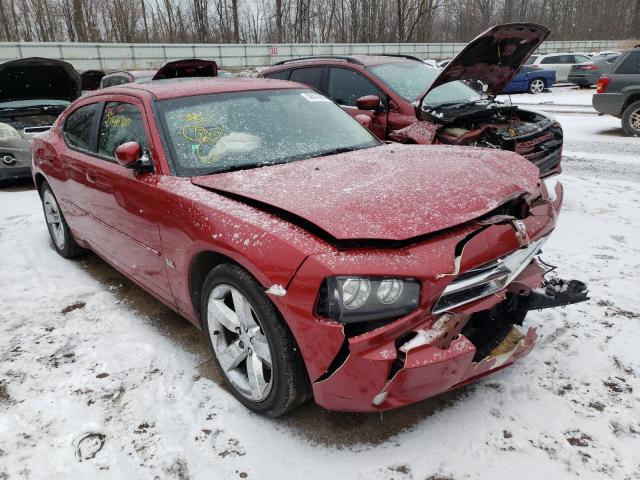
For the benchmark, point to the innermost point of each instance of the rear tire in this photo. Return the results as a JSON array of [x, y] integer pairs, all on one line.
[[267, 377], [61, 236], [536, 86], [631, 119]]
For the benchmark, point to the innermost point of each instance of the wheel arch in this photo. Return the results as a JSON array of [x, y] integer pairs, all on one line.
[[39, 180], [199, 267], [632, 98]]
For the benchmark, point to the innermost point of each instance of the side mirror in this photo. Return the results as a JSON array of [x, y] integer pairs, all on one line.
[[130, 155], [364, 120], [368, 102]]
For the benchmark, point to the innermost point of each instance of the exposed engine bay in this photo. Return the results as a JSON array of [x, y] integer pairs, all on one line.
[[33, 119], [536, 137]]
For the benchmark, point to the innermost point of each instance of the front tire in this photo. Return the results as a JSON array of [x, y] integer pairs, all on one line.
[[631, 119], [536, 86], [252, 346], [61, 236]]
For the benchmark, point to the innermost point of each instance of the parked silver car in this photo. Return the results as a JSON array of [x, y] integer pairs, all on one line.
[[559, 62], [33, 92]]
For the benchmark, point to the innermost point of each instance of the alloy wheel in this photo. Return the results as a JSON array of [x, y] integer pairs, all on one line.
[[54, 219], [239, 342], [537, 86], [634, 120]]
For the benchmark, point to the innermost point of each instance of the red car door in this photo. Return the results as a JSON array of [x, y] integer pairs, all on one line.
[[70, 184], [122, 202], [346, 86]]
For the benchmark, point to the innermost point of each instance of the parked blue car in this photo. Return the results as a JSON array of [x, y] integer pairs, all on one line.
[[531, 79]]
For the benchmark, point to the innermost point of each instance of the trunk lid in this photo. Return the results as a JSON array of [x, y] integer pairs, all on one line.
[[392, 192], [191, 67]]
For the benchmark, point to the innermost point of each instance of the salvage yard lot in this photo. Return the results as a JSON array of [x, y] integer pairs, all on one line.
[[98, 380]]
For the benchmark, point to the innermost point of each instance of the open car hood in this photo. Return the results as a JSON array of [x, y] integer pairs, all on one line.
[[192, 67], [392, 192], [38, 78], [90, 79], [493, 57]]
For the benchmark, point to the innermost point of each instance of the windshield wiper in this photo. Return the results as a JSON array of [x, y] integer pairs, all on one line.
[[235, 168]]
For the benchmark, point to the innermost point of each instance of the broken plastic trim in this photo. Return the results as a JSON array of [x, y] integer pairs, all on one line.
[[487, 279]]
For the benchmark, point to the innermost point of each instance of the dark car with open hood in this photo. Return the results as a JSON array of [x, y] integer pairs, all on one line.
[[305, 248], [408, 101], [33, 92]]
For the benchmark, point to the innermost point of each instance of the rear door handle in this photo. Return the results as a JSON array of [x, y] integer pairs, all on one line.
[[91, 177]]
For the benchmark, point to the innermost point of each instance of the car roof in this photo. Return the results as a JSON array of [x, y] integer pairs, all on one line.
[[187, 87], [134, 73], [362, 60]]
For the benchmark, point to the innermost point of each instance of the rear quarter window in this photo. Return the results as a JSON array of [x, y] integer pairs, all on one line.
[[311, 76], [630, 64], [78, 126], [283, 75]]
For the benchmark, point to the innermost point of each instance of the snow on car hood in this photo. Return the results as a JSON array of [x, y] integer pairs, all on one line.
[[393, 192], [38, 78], [494, 56]]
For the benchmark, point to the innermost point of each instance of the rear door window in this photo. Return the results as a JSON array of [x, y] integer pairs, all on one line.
[[121, 122], [311, 76], [78, 127], [347, 86], [630, 64]]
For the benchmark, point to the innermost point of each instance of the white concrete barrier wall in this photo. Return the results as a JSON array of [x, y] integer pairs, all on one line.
[[115, 56]]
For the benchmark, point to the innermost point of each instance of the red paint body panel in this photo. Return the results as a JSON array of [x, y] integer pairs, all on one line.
[[393, 192], [153, 226]]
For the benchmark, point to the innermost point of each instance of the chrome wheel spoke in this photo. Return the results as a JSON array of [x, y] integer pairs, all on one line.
[[232, 356], [261, 348], [219, 312], [255, 374], [243, 310]]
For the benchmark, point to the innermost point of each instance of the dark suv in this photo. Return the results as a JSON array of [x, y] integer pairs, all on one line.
[[618, 92], [408, 101]]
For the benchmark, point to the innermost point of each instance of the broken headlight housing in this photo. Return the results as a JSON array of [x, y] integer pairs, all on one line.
[[362, 299]]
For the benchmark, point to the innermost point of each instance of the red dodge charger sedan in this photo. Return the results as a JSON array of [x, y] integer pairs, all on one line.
[[317, 260]]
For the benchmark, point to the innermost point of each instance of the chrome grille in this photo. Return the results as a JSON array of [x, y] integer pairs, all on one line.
[[487, 279]]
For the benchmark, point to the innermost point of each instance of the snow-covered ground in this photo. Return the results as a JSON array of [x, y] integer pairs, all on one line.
[[97, 380], [566, 95]]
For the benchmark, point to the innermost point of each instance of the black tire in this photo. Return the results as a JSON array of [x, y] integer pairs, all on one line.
[[290, 383], [534, 86], [631, 119], [69, 248]]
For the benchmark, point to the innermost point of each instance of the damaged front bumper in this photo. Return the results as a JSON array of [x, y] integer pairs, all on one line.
[[494, 280], [459, 347]]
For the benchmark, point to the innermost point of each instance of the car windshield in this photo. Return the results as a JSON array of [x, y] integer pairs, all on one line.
[[411, 79], [531, 59], [34, 103], [233, 131]]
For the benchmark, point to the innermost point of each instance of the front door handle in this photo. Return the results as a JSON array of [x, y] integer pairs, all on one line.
[[91, 177]]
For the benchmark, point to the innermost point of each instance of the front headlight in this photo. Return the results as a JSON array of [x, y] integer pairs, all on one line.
[[7, 132], [362, 299]]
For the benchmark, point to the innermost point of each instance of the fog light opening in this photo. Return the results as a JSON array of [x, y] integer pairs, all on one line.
[[8, 159]]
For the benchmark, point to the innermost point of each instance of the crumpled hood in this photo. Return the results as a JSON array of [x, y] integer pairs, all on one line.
[[494, 56], [392, 192], [38, 78]]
